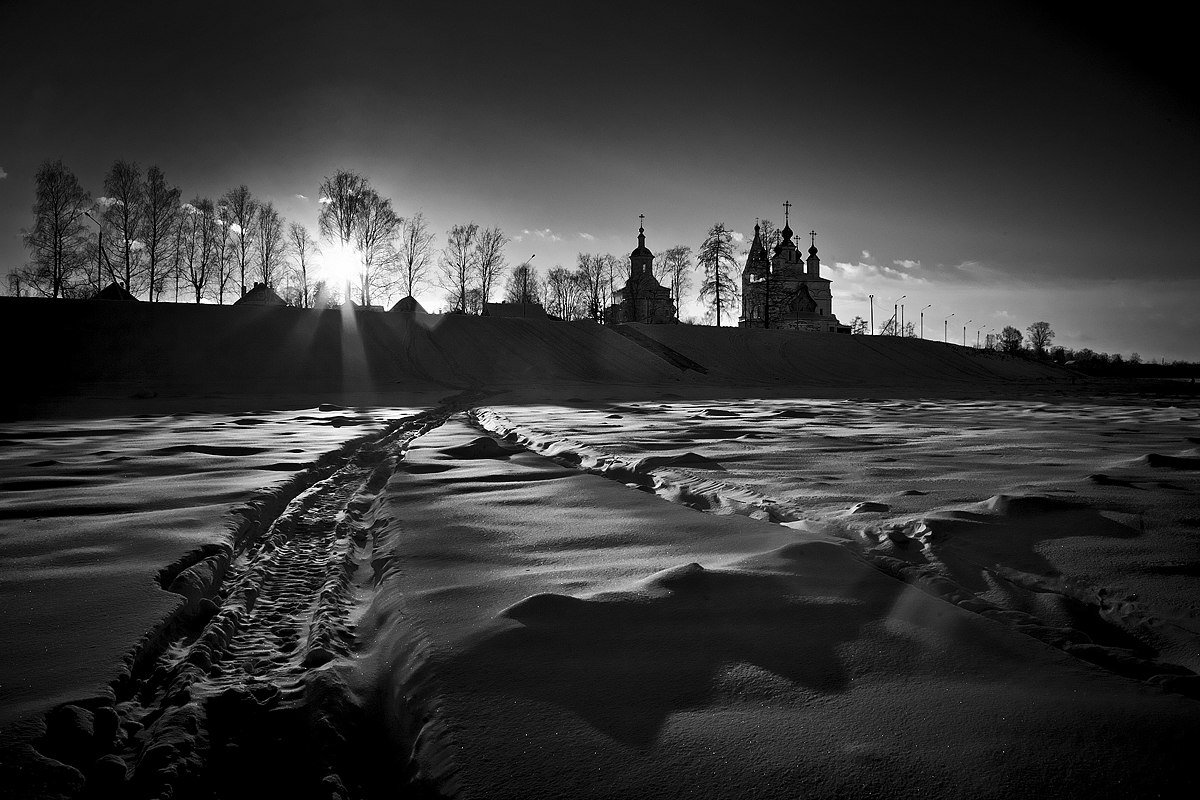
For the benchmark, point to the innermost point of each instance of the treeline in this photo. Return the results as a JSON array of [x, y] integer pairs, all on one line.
[[1035, 343], [141, 235]]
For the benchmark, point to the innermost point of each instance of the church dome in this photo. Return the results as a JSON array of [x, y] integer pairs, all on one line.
[[641, 251]]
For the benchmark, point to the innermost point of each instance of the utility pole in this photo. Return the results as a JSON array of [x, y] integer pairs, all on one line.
[[872, 313], [902, 319], [896, 315]]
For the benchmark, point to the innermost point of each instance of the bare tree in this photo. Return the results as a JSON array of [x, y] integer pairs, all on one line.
[[224, 251], [242, 208], [57, 242], [268, 243], [160, 217], [375, 231], [341, 198], [489, 259], [124, 207], [718, 289], [769, 234], [301, 248], [196, 217], [677, 267], [458, 264], [415, 253], [592, 269], [566, 293], [522, 285]]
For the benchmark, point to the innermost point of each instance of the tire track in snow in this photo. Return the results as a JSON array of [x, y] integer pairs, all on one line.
[[238, 694]]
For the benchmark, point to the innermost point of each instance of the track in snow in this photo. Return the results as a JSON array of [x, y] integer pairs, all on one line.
[[234, 698]]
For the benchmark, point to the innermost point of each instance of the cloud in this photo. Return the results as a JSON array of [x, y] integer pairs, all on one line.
[[587, 236], [519, 238], [548, 235], [738, 236], [3, 174], [1002, 314], [866, 254], [324, 201], [867, 272], [105, 202], [907, 264], [188, 209], [300, 197]]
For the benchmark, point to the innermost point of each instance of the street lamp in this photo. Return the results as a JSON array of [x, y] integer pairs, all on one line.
[[525, 283], [945, 328], [872, 313], [923, 321], [896, 314], [965, 333]]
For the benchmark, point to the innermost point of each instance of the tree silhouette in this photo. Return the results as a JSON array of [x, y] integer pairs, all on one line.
[[1040, 336], [57, 242], [718, 290]]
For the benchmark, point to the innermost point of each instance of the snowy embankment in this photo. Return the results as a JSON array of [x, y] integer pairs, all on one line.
[[144, 352]]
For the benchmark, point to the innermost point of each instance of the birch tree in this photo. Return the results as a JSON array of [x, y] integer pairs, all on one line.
[[414, 254], [242, 208], [457, 265], [160, 218], [489, 260], [58, 241], [301, 249], [268, 243], [124, 206]]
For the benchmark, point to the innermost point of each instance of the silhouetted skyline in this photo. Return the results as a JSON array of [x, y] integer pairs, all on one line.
[[1000, 162]]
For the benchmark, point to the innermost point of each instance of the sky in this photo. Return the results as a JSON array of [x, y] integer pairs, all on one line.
[[1003, 163]]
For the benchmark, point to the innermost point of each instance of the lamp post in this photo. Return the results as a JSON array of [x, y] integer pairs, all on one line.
[[99, 247], [923, 321], [525, 283], [945, 328], [896, 314], [902, 319], [965, 333], [872, 313]]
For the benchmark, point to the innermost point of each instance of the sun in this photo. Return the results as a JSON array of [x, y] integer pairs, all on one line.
[[341, 265]]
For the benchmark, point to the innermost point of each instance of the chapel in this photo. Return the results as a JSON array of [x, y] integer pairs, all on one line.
[[643, 298], [785, 290]]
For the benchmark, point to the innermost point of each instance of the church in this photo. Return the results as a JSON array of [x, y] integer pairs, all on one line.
[[643, 298], [784, 290]]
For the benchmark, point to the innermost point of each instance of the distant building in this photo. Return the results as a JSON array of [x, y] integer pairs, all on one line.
[[786, 291], [260, 295], [527, 310], [115, 291], [643, 298], [408, 305]]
